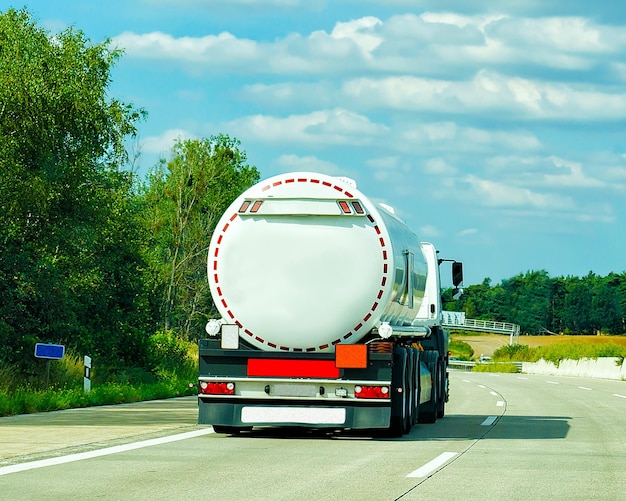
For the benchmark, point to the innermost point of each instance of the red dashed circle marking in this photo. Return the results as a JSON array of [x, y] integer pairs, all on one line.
[[358, 326]]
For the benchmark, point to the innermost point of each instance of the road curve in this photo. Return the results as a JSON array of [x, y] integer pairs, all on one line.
[[505, 436]]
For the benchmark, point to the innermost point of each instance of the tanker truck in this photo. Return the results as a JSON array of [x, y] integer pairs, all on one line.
[[330, 311]]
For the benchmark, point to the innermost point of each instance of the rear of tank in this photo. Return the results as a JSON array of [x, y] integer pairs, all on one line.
[[304, 261]]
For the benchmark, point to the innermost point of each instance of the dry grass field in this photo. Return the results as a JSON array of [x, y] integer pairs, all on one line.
[[486, 344]]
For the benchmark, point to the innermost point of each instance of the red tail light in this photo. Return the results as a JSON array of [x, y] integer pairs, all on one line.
[[371, 391], [215, 388]]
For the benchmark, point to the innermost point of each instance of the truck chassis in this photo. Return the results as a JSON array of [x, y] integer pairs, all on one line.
[[405, 381]]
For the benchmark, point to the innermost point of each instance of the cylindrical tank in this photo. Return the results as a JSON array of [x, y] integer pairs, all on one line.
[[304, 261]]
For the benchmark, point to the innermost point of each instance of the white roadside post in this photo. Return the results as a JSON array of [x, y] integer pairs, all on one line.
[[87, 375]]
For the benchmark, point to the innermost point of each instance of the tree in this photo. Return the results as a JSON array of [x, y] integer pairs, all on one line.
[[529, 300], [184, 198], [606, 309], [66, 210]]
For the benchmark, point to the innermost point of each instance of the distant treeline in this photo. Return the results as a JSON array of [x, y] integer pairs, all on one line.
[[540, 304]]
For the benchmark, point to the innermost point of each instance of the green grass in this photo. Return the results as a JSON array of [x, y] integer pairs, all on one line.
[[460, 349], [174, 366], [556, 352], [496, 367], [28, 400]]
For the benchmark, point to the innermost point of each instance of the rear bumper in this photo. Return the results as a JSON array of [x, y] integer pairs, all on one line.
[[246, 414]]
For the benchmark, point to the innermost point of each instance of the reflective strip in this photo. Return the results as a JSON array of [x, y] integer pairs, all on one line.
[[276, 367]]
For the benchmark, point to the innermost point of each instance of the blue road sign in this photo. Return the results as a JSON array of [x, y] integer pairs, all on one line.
[[49, 351]]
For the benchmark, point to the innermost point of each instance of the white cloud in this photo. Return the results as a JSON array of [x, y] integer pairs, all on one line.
[[490, 92], [467, 232], [519, 201], [328, 127], [575, 178], [361, 32], [223, 49], [406, 44], [450, 137], [163, 143], [497, 194]]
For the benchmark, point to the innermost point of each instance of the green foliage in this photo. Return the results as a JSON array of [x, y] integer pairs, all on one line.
[[506, 367], [182, 202], [460, 349], [515, 353], [576, 351], [555, 352], [29, 400], [68, 220], [172, 357], [128, 385]]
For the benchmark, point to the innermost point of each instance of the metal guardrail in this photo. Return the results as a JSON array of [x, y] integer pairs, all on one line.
[[470, 324], [461, 365], [504, 327]]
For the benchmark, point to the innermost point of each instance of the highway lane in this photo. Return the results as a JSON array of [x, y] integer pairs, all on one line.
[[506, 436], [559, 438]]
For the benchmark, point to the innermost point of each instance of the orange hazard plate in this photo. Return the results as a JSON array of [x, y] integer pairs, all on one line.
[[351, 356]]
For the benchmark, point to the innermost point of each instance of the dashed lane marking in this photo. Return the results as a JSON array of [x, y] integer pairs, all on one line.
[[433, 465], [489, 421]]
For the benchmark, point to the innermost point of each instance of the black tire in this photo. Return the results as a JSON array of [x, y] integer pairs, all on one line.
[[441, 405], [397, 424], [409, 386], [427, 412]]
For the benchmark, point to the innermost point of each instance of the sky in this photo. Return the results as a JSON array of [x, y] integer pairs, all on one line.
[[496, 130]]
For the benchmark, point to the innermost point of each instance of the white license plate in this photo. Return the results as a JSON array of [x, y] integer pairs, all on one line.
[[300, 415]]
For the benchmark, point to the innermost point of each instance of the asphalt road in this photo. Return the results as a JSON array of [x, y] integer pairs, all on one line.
[[507, 436]]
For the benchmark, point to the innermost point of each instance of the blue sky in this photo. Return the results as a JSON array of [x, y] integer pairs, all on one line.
[[497, 133]]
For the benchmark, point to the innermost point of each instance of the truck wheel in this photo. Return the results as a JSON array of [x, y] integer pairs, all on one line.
[[441, 407], [399, 409], [411, 383], [427, 412]]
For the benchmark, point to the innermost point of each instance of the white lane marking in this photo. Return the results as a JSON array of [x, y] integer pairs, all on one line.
[[520, 377], [489, 421], [618, 395], [432, 465], [466, 381], [552, 382], [584, 388], [5, 470], [493, 393], [500, 403], [480, 386]]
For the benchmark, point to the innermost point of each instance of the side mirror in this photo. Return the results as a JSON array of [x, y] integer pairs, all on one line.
[[457, 273]]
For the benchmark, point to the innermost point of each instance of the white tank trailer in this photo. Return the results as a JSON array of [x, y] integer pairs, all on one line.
[[330, 313]]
